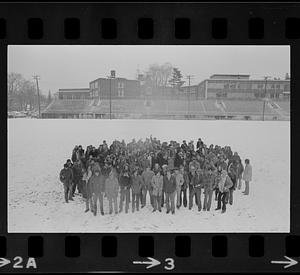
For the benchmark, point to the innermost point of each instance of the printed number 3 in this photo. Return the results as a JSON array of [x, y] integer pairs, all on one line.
[[170, 264]]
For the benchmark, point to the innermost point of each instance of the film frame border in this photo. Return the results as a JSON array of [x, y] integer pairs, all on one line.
[[155, 23]]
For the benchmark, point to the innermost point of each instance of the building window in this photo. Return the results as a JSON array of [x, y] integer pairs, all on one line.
[[96, 84], [120, 89], [260, 86], [221, 95]]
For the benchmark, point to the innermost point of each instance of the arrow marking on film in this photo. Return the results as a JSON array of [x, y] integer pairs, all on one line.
[[288, 263], [4, 262], [151, 263]]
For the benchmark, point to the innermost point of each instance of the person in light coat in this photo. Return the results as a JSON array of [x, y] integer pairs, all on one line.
[[224, 185], [146, 178], [157, 187], [247, 176], [87, 189]]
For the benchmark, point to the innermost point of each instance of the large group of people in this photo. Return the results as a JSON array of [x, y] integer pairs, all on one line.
[[170, 174]]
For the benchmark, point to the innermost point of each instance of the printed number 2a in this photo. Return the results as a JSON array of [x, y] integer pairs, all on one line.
[[170, 264], [19, 260]]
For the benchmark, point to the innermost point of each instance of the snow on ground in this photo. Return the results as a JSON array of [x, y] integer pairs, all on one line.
[[37, 150]]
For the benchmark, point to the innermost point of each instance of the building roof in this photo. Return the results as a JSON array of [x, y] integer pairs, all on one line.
[[76, 90], [119, 78], [249, 80], [191, 86], [235, 76]]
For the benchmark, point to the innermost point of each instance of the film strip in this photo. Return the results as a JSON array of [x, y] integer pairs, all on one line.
[[151, 24]]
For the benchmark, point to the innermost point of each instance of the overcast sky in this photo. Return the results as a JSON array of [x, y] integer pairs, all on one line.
[[75, 66]]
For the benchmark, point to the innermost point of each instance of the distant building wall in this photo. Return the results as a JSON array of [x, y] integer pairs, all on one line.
[[74, 93], [244, 89], [117, 87]]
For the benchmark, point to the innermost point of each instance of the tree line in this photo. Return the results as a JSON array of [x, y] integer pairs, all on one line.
[[22, 94]]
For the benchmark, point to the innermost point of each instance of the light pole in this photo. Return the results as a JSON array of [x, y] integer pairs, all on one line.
[[189, 91], [36, 77], [112, 75], [110, 98], [265, 93]]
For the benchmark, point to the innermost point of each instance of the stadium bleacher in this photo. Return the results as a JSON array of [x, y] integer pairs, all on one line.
[[68, 106], [285, 106], [251, 108], [211, 108], [224, 108]]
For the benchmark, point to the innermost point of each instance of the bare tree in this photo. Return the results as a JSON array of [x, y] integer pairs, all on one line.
[[158, 75], [14, 83], [22, 94]]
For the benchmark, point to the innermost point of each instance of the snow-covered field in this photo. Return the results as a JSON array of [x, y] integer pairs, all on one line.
[[37, 150]]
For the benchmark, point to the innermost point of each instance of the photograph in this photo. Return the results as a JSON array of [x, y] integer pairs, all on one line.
[[148, 139]]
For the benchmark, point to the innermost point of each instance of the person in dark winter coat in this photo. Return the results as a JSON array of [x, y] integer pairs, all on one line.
[[232, 173], [209, 185], [179, 183], [147, 177], [217, 178], [66, 178], [94, 166], [240, 174], [136, 190], [125, 184], [178, 160], [77, 174], [97, 182], [192, 190], [198, 185], [224, 184], [74, 154], [111, 191], [169, 188], [199, 144], [88, 190], [184, 187]]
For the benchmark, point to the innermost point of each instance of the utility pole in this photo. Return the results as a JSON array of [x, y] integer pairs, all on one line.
[[36, 78], [265, 93], [112, 75], [110, 98], [189, 92]]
